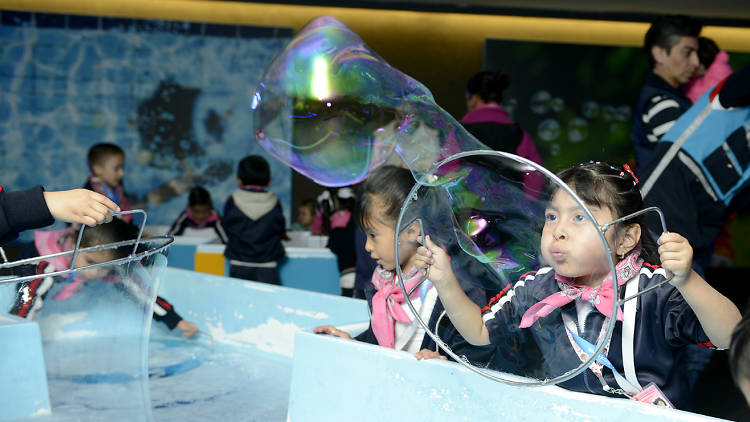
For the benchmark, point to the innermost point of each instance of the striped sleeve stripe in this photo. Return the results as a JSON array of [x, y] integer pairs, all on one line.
[[490, 310], [662, 129], [658, 124], [651, 270], [660, 104], [497, 297]]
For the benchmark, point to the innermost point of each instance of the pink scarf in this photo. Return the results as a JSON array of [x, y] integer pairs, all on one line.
[[214, 216], [48, 243], [340, 219], [386, 303], [601, 297]]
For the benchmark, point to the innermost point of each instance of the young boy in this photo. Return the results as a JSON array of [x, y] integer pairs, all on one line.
[[255, 224], [107, 164]]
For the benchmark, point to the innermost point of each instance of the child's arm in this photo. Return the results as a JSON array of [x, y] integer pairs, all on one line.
[[463, 312], [188, 328], [331, 330], [429, 354], [717, 314]]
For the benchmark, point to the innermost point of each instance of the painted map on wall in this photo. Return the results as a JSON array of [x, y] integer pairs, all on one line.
[[174, 95]]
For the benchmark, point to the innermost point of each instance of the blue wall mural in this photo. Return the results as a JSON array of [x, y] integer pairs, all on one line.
[[174, 95]]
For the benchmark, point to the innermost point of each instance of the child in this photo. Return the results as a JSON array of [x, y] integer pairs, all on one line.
[[391, 323], [198, 215], [491, 124], [321, 224], [34, 208], [341, 238], [31, 294], [688, 311], [713, 68], [255, 224], [739, 356], [305, 215], [107, 164]]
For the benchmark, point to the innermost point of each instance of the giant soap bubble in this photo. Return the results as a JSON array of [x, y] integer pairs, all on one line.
[[332, 109]]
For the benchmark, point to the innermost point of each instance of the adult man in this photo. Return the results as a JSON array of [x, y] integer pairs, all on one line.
[[671, 45]]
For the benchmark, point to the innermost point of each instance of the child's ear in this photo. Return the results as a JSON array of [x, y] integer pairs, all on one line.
[[412, 232], [96, 169], [629, 238]]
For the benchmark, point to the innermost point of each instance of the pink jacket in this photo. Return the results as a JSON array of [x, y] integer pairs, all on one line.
[[526, 148], [718, 70]]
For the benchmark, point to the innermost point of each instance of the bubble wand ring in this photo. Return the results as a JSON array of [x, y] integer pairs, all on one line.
[[427, 179], [160, 243]]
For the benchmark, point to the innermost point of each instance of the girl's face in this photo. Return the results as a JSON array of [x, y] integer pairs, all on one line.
[[84, 259], [380, 239], [200, 212], [571, 242], [305, 216]]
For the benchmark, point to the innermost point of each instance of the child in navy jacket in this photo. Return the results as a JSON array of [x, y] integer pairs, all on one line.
[[255, 224]]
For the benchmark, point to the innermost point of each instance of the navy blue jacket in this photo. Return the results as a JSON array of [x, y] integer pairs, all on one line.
[[22, 210], [665, 324], [654, 86], [255, 225]]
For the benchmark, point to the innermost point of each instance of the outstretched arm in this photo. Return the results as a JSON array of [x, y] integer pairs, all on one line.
[[463, 312], [80, 206], [717, 314]]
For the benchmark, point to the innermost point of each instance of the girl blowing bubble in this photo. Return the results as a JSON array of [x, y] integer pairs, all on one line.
[[576, 285]]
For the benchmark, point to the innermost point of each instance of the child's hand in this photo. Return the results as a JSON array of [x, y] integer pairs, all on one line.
[[436, 260], [429, 354], [188, 328], [331, 330], [80, 206], [676, 255]]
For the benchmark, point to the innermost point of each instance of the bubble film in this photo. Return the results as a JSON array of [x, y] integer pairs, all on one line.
[[332, 109], [477, 207], [95, 337]]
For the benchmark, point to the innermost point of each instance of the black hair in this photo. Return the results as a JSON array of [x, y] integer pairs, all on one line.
[[116, 230], [666, 31], [254, 170], [739, 349], [308, 203], [390, 186], [348, 203], [602, 184], [488, 85], [100, 152], [326, 210], [199, 196], [707, 51]]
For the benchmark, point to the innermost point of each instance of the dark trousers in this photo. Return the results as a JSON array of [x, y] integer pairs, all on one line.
[[263, 275]]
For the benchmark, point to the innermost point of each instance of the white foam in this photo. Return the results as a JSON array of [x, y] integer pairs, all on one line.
[[260, 286], [311, 314], [271, 336], [54, 325]]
